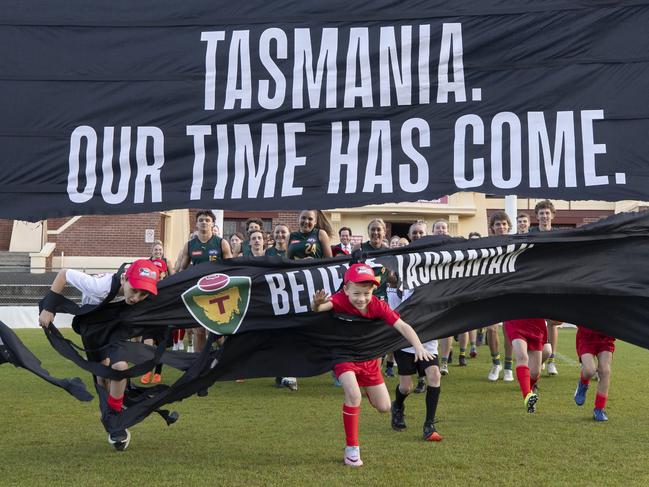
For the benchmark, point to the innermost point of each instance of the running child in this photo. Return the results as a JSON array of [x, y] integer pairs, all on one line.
[[591, 344], [407, 366], [135, 284], [528, 337], [356, 298]]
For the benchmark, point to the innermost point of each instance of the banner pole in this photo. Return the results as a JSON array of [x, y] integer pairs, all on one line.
[[511, 208]]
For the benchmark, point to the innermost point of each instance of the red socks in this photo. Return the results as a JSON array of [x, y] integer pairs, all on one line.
[[533, 381], [115, 403], [600, 401], [178, 335], [523, 376], [350, 421], [584, 380]]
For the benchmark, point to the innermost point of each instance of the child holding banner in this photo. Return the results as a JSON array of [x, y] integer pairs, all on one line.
[[132, 286], [591, 344], [356, 298]]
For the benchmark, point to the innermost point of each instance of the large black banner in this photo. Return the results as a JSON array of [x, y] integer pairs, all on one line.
[[127, 107]]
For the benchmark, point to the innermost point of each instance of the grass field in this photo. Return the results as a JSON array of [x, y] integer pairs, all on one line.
[[254, 434]]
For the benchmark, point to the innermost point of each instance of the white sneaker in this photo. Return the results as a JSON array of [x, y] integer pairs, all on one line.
[[190, 349], [443, 369], [552, 369], [290, 382], [494, 373], [181, 346], [353, 456], [508, 375]]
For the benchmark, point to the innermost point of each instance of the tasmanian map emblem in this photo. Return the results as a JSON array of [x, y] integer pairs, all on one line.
[[219, 302]]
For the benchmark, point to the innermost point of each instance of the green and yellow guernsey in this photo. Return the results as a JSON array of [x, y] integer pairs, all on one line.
[[210, 251], [303, 245], [381, 291], [272, 252]]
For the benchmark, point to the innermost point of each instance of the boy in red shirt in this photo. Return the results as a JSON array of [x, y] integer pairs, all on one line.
[[591, 344], [356, 298]]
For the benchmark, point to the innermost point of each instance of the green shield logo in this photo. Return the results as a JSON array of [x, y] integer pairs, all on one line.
[[219, 302]]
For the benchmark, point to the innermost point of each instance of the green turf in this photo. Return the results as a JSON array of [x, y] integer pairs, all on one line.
[[253, 434]]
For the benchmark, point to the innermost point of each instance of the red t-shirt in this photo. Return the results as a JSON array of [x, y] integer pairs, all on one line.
[[162, 265], [375, 309]]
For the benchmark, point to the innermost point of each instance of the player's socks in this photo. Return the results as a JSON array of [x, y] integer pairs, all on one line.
[[350, 422], [400, 397], [495, 358], [533, 381], [551, 358], [508, 363], [600, 401], [115, 403], [462, 358], [432, 398], [523, 376], [584, 380]]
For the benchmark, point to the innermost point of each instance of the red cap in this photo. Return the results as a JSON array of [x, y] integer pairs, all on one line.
[[143, 274], [361, 273]]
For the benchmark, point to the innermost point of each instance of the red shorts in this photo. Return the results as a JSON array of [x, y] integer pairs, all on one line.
[[593, 342], [532, 330], [367, 373]]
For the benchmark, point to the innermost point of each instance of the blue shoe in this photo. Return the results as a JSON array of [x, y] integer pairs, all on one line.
[[599, 415], [580, 393], [389, 371]]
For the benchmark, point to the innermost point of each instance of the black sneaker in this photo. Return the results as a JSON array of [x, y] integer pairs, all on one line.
[[202, 393], [430, 433], [119, 438], [398, 421], [462, 361], [421, 386]]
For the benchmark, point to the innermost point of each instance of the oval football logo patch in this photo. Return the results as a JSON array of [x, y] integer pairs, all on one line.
[[213, 282]]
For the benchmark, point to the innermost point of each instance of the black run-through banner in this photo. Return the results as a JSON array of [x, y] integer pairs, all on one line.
[[127, 107], [597, 276]]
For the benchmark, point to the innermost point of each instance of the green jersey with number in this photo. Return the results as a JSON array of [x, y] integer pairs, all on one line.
[[210, 251], [303, 245]]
